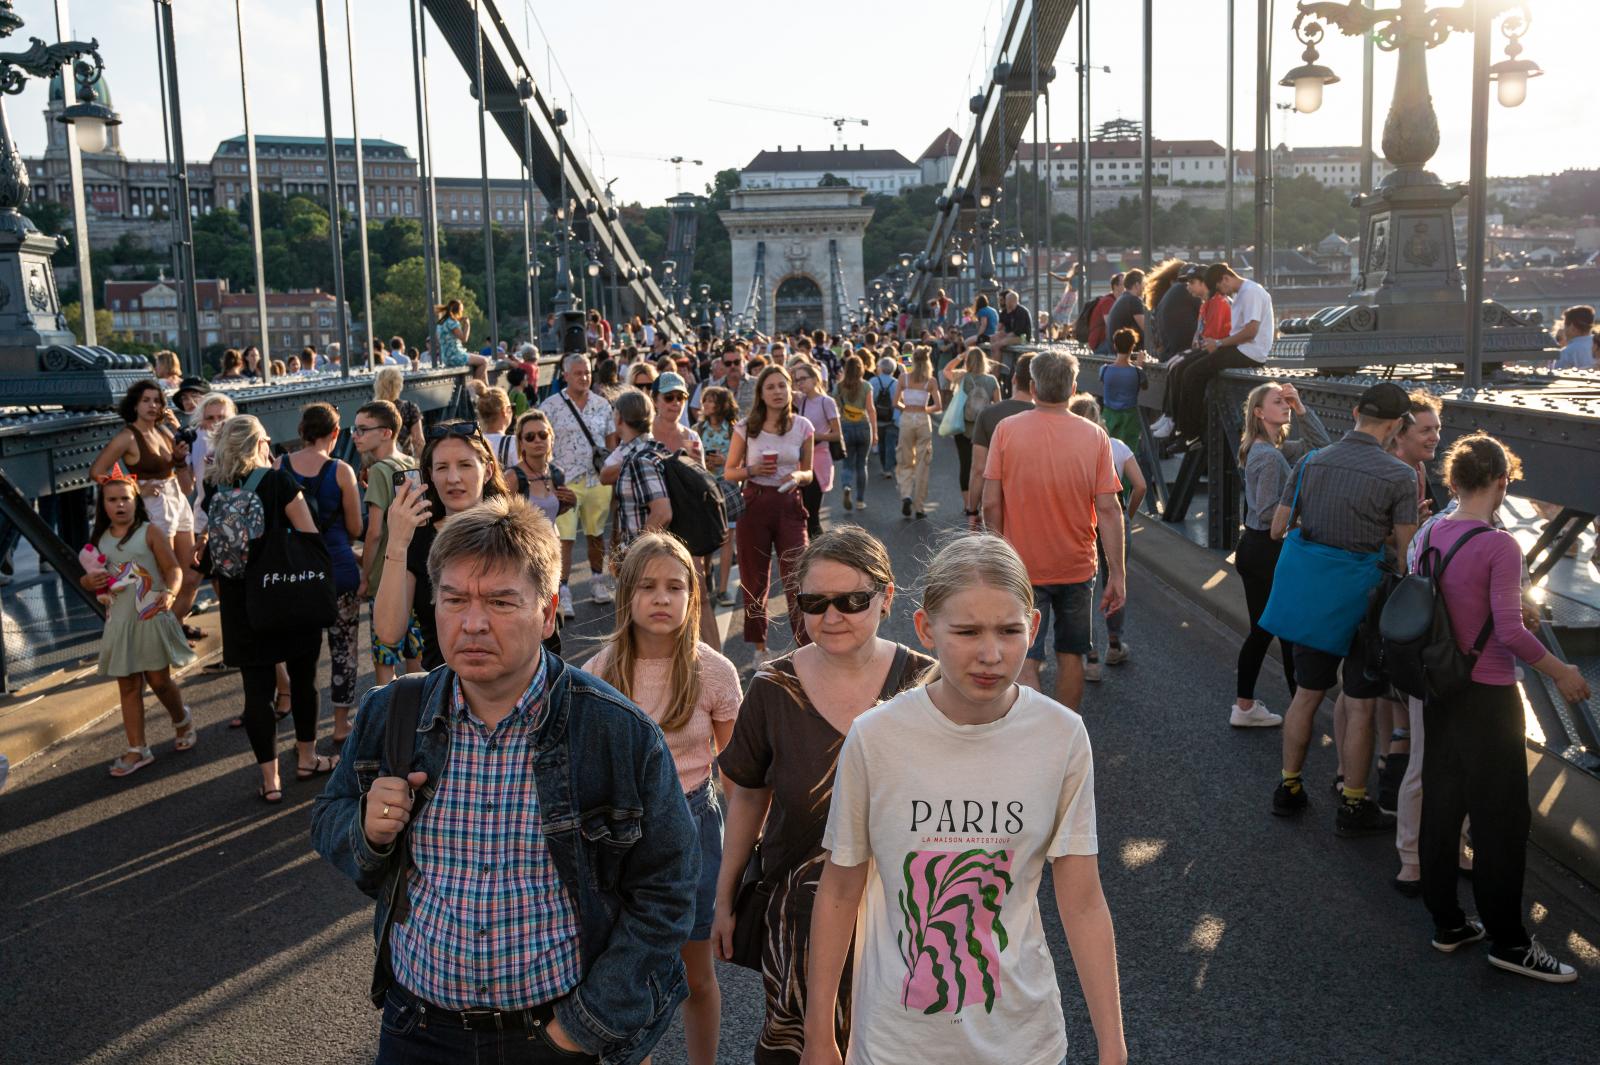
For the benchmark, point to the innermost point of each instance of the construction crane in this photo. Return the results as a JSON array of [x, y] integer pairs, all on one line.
[[839, 121], [676, 160]]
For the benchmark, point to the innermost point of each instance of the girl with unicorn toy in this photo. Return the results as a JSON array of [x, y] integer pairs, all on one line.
[[130, 566]]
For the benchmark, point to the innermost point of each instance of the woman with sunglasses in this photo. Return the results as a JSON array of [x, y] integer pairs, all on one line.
[[778, 769], [457, 472], [540, 481]]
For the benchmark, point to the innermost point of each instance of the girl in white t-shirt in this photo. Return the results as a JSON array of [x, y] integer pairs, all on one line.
[[655, 658], [937, 788]]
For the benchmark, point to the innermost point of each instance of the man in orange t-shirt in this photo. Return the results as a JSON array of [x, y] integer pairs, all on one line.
[[1049, 486]]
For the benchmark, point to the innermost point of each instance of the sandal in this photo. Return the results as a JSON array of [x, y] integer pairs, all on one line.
[[237, 722], [324, 764], [190, 632], [124, 766], [279, 711], [185, 740], [264, 795]]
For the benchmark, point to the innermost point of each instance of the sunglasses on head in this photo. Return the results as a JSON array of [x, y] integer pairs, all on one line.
[[848, 603], [464, 430]]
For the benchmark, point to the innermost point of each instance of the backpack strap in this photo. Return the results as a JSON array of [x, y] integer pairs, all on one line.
[[522, 480], [399, 746]]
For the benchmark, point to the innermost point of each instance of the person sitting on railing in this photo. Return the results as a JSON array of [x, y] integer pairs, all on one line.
[[1175, 300], [1254, 328], [1097, 314]]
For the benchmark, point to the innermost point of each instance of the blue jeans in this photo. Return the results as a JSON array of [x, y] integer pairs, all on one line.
[[853, 470], [888, 441]]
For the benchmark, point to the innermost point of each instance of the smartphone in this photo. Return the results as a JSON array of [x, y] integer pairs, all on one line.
[[402, 476]]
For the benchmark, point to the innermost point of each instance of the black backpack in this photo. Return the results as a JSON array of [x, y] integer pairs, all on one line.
[[698, 516], [1080, 325], [1419, 645], [883, 401]]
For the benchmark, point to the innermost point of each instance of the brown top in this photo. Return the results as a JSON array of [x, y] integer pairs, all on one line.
[[149, 466], [782, 743]]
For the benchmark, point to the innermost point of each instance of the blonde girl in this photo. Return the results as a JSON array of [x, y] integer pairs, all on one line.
[[958, 792], [916, 397], [387, 384], [655, 658], [1267, 456]]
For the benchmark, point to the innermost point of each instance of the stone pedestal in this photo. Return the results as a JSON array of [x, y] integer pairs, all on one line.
[[41, 362]]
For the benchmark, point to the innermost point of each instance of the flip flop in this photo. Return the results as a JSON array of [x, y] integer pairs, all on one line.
[[237, 722], [324, 764]]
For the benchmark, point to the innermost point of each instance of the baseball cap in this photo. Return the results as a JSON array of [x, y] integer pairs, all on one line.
[[674, 346], [1384, 400], [669, 383]]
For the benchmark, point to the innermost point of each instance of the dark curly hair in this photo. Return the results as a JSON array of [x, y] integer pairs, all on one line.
[[128, 405]]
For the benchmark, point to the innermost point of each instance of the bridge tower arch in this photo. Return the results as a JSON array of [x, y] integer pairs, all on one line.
[[796, 254]]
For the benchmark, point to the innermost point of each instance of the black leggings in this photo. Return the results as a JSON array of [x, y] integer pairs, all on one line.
[[260, 699], [811, 496], [964, 455], [1256, 558]]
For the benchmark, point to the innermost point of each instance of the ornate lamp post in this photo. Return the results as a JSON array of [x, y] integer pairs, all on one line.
[[33, 331], [1409, 289]]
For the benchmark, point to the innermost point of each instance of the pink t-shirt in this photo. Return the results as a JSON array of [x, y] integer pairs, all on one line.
[[692, 746], [819, 411], [1485, 576], [800, 433]]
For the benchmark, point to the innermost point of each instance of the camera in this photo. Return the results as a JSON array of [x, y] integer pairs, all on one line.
[[186, 436]]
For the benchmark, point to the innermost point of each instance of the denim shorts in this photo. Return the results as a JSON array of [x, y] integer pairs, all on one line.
[[1072, 606], [707, 813]]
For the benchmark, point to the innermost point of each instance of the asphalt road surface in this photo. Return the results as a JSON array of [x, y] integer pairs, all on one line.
[[171, 918]]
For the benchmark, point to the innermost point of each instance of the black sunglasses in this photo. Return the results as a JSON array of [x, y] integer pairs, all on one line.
[[848, 603], [464, 430]]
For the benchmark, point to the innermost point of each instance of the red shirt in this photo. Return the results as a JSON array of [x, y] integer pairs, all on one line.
[[1097, 319], [1216, 318]]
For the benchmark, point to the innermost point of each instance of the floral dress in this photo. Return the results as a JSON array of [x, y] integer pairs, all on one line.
[[451, 353]]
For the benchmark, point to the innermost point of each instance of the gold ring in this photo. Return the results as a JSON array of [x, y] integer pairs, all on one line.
[[385, 810]]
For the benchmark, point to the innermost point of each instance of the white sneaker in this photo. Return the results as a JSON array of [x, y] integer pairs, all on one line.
[[1258, 716], [1091, 671], [1162, 427], [600, 589], [1117, 655], [567, 610]]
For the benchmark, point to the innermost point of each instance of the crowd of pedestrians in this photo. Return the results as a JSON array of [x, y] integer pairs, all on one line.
[[559, 854]]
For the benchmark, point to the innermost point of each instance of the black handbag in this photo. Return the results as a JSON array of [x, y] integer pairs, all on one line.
[[289, 581], [750, 913]]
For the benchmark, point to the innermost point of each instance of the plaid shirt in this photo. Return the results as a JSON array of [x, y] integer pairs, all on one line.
[[491, 924], [1354, 494], [640, 483]]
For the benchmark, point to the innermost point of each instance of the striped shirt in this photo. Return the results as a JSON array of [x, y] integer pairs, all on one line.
[[1353, 494], [491, 925]]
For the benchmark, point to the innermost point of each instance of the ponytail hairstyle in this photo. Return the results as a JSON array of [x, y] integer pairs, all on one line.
[[921, 364], [977, 558], [1254, 427], [621, 647]]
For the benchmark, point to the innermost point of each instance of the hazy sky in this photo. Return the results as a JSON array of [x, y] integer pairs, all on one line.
[[641, 76]]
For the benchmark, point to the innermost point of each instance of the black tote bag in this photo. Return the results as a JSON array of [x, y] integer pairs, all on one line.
[[289, 580]]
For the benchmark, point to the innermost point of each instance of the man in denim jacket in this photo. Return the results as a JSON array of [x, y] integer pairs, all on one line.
[[538, 906]]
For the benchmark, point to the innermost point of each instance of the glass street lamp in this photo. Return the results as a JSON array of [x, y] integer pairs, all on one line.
[[89, 118], [1511, 74]]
